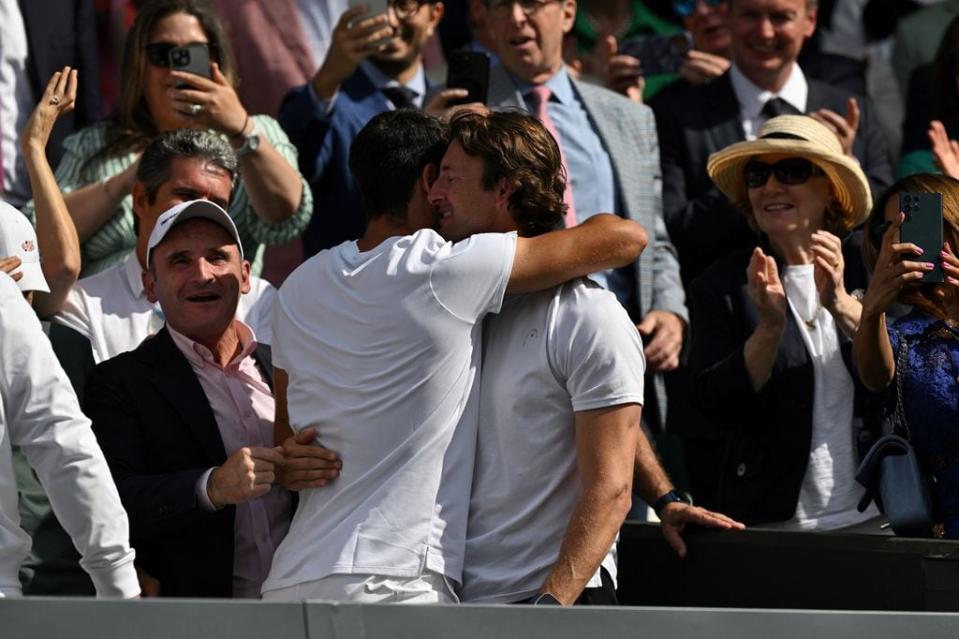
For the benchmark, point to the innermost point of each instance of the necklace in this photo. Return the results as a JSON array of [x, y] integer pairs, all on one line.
[[811, 322]]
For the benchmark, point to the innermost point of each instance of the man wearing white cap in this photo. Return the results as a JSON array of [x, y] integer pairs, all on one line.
[[186, 419], [111, 308], [39, 413], [19, 254]]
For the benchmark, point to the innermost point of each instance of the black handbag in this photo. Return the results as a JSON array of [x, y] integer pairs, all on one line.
[[892, 474]]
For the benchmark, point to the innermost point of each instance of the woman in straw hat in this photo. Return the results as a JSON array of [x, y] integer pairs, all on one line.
[[929, 335], [771, 327]]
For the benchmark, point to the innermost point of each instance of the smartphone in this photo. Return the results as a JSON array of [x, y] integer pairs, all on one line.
[[193, 58], [659, 54], [923, 227], [375, 8], [469, 70]]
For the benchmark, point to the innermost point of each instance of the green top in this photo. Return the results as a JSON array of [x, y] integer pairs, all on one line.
[[115, 239], [643, 23]]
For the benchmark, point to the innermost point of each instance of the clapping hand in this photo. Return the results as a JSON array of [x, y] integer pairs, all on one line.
[[945, 151], [766, 290], [828, 268], [844, 127]]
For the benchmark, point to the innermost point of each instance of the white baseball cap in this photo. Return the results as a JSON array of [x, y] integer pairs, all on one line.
[[203, 209], [17, 238]]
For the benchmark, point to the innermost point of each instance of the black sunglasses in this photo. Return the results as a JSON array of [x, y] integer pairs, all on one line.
[[158, 53], [790, 172]]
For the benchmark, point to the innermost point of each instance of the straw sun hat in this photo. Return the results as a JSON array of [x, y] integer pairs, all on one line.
[[799, 136]]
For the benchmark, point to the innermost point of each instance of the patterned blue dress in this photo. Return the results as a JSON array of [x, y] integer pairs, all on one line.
[[931, 404]]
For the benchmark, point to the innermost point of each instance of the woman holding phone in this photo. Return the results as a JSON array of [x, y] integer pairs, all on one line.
[[771, 361], [929, 334], [271, 204]]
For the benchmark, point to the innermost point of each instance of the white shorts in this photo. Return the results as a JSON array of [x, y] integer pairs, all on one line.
[[428, 588]]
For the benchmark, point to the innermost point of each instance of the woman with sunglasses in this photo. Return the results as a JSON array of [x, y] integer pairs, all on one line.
[[271, 203], [772, 328], [929, 333]]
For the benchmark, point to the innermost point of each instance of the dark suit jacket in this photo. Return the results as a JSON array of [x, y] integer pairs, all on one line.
[[61, 33], [765, 449], [159, 436], [696, 123], [323, 143]]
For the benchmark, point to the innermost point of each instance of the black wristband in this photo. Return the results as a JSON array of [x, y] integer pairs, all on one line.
[[673, 496]]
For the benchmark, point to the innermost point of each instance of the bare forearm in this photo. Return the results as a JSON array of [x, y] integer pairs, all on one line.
[[56, 234], [93, 205], [847, 312], [760, 354], [272, 184], [592, 529], [650, 481], [873, 352]]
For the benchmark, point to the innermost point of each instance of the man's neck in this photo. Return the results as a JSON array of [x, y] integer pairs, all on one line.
[[402, 74], [381, 229], [224, 346], [772, 81]]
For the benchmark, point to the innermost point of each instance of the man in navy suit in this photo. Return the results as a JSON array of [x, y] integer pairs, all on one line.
[[374, 64]]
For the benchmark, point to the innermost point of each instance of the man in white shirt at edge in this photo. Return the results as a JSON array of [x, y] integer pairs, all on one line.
[[111, 308], [40, 414], [378, 347], [560, 397]]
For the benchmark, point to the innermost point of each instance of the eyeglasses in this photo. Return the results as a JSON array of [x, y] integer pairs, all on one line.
[[158, 53], [407, 8], [790, 172], [502, 8], [686, 8]]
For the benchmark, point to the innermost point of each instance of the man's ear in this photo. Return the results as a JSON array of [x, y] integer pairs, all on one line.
[[437, 10], [245, 277], [504, 191], [427, 177], [811, 16], [569, 15], [149, 286]]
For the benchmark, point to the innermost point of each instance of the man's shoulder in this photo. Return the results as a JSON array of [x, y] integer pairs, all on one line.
[[600, 98], [106, 283], [142, 358]]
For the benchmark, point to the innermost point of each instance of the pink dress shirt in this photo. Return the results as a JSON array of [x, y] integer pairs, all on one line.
[[242, 404]]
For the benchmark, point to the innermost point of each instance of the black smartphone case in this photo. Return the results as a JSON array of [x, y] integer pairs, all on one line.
[[193, 58], [469, 70], [923, 227]]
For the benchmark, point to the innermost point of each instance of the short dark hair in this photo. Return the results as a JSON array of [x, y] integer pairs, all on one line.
[[388, 156], [154, 169], [516, 146]]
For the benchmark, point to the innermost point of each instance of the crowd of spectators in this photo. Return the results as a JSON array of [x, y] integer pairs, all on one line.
[[294, 322]]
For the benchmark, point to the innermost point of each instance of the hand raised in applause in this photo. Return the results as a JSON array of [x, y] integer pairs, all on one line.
[[766, 290]]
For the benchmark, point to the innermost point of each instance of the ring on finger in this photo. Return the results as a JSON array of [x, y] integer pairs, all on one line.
[[55, 100], [195, 109]]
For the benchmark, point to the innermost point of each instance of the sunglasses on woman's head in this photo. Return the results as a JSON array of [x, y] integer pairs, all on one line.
[[158, 53], [790, 172], [686, 8]]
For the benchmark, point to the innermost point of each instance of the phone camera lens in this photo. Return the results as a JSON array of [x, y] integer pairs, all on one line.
[[906, 209]]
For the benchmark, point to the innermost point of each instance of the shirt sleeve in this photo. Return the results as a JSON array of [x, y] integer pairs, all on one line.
[[45, 421], [74, 314], [594, 348], [469, 278]]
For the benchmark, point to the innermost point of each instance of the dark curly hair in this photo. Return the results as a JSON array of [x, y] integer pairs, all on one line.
[[516, 146]]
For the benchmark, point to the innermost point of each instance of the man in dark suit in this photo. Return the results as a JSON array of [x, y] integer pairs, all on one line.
[[765, 80], [360, 77], [186, 419]]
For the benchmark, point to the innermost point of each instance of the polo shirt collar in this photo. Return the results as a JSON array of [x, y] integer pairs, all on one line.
[[752, 98]]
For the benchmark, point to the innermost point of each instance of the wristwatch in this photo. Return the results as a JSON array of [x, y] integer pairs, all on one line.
[[546, 599], [672, 496], [251, 141]]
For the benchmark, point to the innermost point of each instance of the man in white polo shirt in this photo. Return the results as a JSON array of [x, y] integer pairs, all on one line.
[[377, 347], [111, 308], [560, 396]]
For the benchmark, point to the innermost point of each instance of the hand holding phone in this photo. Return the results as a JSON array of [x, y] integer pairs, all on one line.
[[659, 54], [469, 70], [193, 58]]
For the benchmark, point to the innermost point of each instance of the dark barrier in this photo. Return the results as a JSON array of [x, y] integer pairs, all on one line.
[[772, 569]]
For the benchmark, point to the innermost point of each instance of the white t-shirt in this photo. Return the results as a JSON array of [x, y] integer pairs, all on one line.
[[111, 309], [545, 356], [382, 348], [39, 412], [829, 493]]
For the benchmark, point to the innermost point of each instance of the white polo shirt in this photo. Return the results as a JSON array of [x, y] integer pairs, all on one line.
[[39, 412], [382, 348], [112, 310], [546, 356]]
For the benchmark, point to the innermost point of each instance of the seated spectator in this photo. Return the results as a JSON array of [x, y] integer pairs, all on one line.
[[359, 78], [771, 356], [932, 103], [186, 419], [40, 415], [928, 335], [272, 203], [111, 308]]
